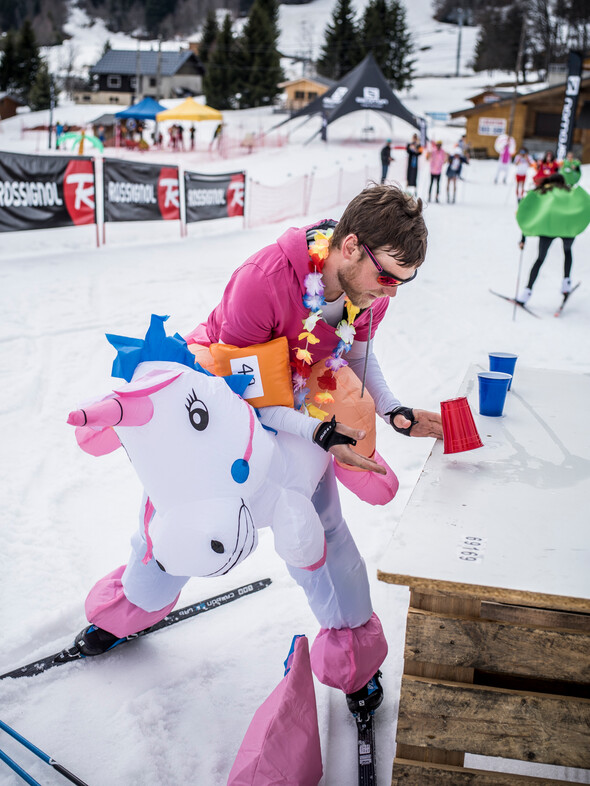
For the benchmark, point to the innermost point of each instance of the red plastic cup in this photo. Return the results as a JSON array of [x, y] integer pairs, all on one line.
[[459, 429]]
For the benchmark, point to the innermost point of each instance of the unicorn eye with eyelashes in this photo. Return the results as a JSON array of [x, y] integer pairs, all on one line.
[[197, 412]]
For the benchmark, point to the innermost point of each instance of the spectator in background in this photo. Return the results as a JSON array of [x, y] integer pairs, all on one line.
[[192, 133], [413, 150], [522, 161], [216, 136], [571, 169], [464, 147], [386, 159], [546, 167], [503, 162], [455, 165], [324, 130], [437, 157]]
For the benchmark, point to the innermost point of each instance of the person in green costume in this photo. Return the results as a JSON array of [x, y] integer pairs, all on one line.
[[553, 209], [571, 169]]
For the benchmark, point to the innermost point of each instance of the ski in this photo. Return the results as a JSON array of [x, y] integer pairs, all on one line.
[[516, 303], [178, 615], [566, 297], [366, 750]]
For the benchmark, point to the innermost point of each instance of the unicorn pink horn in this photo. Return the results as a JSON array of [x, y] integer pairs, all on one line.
[[115, 411]]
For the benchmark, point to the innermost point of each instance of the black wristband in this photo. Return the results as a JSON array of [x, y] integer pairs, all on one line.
[[407, 413], [326, 435]]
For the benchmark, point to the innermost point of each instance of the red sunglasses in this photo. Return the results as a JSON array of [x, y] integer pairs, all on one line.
[[384, 278]]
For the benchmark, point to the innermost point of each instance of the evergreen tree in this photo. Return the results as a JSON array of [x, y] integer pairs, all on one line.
[[8, 15], [219, 83], [28, 59], [498, 41], [342, 49], [9, 64], [40, 92], [576, 15], [155, 12], [259, 62], [385, 34], [208, 36], [271, 9]]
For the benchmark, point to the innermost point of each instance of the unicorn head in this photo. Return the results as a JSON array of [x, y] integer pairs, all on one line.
[[196, 446]]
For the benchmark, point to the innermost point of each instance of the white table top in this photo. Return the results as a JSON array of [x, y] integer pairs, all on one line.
[[514, 514]]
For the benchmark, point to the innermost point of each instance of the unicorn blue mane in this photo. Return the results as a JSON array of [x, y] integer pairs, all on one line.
[[155, 346], [158, 346]]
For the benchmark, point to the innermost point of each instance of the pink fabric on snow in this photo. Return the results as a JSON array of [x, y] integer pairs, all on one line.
[[349, 657], [369, 486], [282, 744], [107, 607]]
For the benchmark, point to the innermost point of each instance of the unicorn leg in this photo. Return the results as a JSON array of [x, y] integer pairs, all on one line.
[[133, 597], [351, 645]]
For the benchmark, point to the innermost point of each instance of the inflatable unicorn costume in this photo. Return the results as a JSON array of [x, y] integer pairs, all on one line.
[[212, 476]]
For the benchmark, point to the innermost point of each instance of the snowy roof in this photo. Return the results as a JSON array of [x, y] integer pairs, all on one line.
[[319, 80], [124, 61], [11, 96], [523, 97]]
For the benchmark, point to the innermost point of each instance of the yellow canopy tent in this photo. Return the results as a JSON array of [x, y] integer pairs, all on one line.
[[190, 110]]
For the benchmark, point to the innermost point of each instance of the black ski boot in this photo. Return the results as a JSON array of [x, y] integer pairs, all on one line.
[[94, 641], [365, 701]]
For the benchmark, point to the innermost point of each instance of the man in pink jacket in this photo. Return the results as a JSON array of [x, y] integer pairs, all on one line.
[[356, 267], [377, 246]]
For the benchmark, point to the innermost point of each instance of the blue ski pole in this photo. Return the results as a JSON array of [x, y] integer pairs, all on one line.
[[19, 770], [34, 749]]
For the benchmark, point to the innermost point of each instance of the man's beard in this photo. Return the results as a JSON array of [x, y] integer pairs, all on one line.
[[357, 297]]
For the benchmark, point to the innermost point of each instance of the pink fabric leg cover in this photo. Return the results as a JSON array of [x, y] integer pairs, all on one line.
[[108, 608], [349, 657], [369, 486]]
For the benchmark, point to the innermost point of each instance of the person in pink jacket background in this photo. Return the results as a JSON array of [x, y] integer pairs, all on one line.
[[436, 157]]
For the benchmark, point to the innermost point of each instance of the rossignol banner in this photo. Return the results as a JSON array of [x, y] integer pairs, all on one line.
[[40, 192], [213, 196], [140, 192], [570, 105]]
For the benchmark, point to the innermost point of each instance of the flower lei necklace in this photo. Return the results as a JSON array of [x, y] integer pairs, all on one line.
[[313, 299]]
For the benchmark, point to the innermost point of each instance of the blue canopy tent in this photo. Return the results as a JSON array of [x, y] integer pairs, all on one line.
[[146, 109]]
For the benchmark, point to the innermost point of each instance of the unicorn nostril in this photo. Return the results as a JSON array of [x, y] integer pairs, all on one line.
[[217, 547], [162, 568]]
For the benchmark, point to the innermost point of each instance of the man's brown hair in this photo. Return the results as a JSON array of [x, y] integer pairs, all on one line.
[[383, 216]]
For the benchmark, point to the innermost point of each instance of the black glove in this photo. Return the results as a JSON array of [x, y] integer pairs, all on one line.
[[407, 413], [326, 435]]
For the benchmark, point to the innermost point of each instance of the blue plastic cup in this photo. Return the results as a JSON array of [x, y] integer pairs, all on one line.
[[503, 361], [493, 386]]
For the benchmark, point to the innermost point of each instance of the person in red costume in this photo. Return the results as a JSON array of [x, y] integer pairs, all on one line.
[[546, 167]]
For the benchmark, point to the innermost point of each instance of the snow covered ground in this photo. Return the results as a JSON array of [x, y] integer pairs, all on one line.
[[173, 708]]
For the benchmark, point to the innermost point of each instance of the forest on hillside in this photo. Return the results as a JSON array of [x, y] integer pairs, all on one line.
[[143, 18], [549, 30]]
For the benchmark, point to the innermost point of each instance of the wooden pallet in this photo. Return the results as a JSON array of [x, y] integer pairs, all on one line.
[[493, 679]]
